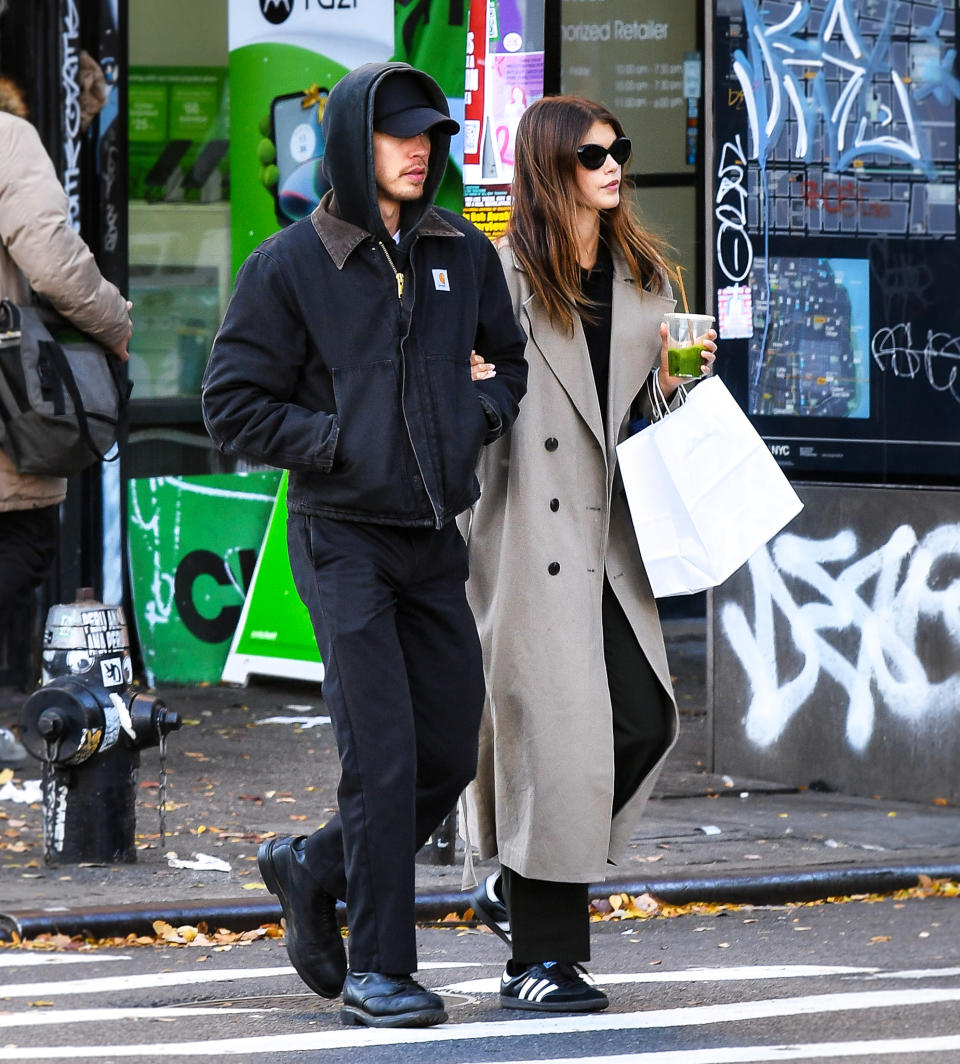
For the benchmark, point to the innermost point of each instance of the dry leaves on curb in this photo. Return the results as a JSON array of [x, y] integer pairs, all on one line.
[[644, 906], [164, 934]]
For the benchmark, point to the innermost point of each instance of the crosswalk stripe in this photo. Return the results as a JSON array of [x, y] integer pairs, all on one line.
[[110, 984], [756, 1054], [159, 1012], [693, 1016], [31, 960], [917, 973], [691, 975]]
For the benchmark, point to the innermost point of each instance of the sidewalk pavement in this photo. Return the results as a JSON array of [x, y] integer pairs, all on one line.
[[251, 762]]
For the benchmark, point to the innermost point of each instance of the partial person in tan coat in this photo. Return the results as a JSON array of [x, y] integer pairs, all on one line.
[[580, 711], [40, 251]]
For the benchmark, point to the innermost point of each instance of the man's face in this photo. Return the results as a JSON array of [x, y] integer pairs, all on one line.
[[400, 166]]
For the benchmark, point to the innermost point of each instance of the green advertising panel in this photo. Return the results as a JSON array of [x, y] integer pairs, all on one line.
[[193, 547], [178, 134], [274, 636], [284, 60]]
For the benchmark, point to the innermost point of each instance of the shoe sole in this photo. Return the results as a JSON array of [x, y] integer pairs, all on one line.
[[269, 876], [553, 1006], [353, 1016], [489, 920]]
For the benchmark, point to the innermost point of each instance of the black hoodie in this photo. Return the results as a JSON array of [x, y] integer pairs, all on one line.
[[323, 367], [348, 158]]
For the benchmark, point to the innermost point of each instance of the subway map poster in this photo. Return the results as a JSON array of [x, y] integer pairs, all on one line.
[[834, 191]]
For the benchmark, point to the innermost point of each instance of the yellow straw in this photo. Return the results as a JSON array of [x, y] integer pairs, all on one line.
[[683, 294]]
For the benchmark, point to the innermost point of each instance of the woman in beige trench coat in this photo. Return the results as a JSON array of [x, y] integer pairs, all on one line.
[[580, 711], [40, 250]]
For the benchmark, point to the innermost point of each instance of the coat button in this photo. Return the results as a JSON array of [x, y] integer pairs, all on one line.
[[550, 443], [553, 568], [554, 505]]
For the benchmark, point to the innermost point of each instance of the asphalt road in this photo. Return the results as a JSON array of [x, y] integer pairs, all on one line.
[[826, 982]]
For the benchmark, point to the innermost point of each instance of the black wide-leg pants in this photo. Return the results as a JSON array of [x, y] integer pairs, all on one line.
[[403, 683], [549, 921], [28, 548]]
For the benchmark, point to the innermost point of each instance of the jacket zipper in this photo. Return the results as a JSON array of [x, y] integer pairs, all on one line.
[[397, 273], [403, 383]]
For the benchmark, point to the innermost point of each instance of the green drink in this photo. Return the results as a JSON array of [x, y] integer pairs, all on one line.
[[684, 361], [684, 344]]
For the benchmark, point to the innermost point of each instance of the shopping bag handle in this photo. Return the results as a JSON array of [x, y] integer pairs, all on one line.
[[659, 402]]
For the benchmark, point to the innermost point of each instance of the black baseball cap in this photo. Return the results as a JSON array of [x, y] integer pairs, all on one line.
[[403, 109]]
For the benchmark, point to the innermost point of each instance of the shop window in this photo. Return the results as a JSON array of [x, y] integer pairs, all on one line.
[[179, 181]]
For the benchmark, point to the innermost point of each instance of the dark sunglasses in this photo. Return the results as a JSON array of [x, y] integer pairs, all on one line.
[[593, 156]]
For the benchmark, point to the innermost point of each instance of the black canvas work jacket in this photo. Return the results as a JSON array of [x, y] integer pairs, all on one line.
[[345, 357]]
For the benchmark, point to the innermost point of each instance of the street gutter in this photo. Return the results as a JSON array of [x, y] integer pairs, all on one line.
[[770, 888]]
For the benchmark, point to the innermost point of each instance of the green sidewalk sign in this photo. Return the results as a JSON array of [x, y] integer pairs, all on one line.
[[274, 636], [193, 546]]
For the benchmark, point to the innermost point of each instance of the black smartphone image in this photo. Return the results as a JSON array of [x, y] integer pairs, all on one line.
[[164, 178], [205, 163], [299, 143]]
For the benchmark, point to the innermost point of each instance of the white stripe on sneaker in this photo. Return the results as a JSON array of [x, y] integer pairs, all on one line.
[[533, 989]]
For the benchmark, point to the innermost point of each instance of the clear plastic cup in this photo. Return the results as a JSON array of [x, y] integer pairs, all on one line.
[[684, 351]]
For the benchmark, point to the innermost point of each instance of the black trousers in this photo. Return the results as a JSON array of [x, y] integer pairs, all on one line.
[[549, 921], [404, 687], [28, 548]]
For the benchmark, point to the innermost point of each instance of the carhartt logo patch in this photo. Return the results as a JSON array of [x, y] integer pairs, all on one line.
[[441, 281]]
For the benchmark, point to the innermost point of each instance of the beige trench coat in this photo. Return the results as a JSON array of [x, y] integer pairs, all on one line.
[[38, 246], [551, 496]]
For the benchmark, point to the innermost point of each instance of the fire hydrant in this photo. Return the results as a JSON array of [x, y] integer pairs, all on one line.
[[87, 727]]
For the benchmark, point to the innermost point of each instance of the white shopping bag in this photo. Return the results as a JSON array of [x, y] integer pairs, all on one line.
[[704, 492]]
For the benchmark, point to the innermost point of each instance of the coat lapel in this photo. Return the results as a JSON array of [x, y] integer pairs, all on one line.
[[634, 333], [569, 360], [636, 316]]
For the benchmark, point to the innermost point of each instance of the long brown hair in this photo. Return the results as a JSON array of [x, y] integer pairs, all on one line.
[[542, 229]]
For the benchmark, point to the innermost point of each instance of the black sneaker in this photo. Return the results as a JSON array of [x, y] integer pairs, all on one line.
[[551, 986], [488, 907]]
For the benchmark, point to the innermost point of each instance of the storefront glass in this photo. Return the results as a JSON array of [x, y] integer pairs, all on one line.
[[643, 62], [179, 185]]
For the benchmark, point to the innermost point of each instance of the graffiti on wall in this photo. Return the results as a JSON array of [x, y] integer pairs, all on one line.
[[69, 67], [832, 81], [863, 621], [835, 206], [936, 359]]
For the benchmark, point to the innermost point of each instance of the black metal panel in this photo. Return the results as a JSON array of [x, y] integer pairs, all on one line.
[[834, 193], [30, 56]]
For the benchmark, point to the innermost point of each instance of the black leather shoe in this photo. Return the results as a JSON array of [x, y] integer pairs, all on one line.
[[376, 1000], [314, 942]]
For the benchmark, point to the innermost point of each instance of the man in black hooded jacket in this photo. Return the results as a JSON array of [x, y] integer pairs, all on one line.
[[344, 356]]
